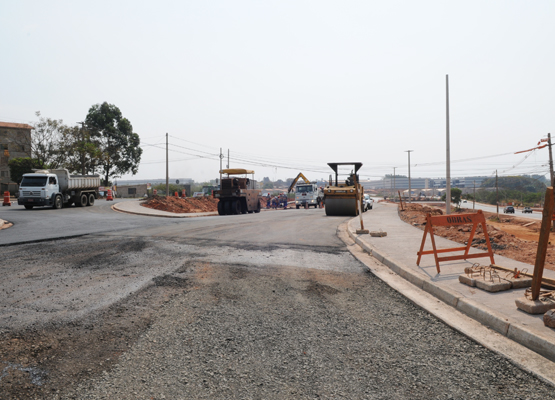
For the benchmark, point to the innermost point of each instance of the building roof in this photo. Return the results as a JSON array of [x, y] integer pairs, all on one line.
[[14, 125]]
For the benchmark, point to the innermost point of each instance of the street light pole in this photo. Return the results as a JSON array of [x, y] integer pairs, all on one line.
[[410, 189], [448, 151], [167, 169], [394, 185]]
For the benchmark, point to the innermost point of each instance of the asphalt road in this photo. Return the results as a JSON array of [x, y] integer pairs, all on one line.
[[518, 212], [46, 223], [268, 305]]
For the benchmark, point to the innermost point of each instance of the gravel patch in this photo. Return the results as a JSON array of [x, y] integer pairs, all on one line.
[[241, 332]]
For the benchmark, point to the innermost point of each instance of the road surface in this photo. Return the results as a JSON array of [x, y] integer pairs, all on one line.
[[268, 305]]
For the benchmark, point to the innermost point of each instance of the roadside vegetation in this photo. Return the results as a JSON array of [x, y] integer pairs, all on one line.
[[521, 190]]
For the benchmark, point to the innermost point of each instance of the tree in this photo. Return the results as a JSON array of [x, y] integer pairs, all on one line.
[[23, 165], [45, 141], [455, 196], [113, 135], [82, 154]]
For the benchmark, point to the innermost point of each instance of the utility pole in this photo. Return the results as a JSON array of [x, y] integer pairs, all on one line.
[[410, 189], [221, 158], [496, 194], [83, 149], [227, 158], [448, 158], [550, 159], [474, 199], [394, 185], [551, 170], [167, 169]]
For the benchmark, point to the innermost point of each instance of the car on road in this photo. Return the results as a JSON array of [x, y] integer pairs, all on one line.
[[509, 210], [527, 210], [368, 202]]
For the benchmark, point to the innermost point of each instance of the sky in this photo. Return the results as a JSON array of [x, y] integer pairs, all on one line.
[[288, 86]]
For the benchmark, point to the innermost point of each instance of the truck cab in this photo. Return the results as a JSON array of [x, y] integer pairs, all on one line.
[[308, 195], [38, 189]]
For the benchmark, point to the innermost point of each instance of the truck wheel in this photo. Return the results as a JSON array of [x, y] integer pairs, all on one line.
[[82, 201], [297, 206], [244, 206], [235, 207], [221, 210], [227, 208], [257, 208], [28, 207], [58, 202], [91, 200]]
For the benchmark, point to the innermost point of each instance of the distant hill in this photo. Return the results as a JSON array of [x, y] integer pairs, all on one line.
[[519, 183]]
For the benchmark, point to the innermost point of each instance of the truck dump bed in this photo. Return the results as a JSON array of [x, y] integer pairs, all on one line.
[[76, 182]]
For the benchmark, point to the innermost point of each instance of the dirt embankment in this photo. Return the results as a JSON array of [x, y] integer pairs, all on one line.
[[515, 238], [182, 205]]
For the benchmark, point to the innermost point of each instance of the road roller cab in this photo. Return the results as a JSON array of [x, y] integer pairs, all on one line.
[[237, 193], [345, 197]]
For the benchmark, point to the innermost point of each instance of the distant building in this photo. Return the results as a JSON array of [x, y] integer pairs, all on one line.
[[154, 182], [132, 191], [15, 142]]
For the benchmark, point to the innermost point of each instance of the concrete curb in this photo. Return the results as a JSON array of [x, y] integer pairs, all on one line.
[[530, 338], [147, 214]]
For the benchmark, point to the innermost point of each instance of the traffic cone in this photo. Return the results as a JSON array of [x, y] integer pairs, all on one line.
[[176, 194], [6, 199], [183, 193], [109, 195]]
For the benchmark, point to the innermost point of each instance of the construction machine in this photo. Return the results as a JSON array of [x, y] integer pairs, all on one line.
[[346, 197], [306, 194], [237, 195]]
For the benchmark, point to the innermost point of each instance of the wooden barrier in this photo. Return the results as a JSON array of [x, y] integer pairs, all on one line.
[[543, 241], [453, 220], [401, 201]]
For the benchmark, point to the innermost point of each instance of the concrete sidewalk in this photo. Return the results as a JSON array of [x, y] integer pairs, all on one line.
[[135, 207], [497, 310]]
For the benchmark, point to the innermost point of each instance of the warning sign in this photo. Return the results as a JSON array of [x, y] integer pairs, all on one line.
[[452, 220]]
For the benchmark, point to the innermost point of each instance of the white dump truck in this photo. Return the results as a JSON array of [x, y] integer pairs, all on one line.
[[57, 188], [309, 195]]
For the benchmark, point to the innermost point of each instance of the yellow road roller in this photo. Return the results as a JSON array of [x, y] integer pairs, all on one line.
[[345, 197]]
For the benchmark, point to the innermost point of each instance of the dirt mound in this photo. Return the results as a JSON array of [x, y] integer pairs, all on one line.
[[511, 237], [182, 205]]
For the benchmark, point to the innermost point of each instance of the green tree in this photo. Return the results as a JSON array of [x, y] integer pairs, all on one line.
[[455, 196], [519, 183], [23, 165], [81, 154], [45, 141], [113, 135]]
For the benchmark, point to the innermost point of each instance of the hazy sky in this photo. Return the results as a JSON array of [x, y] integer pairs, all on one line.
[[293, 85]]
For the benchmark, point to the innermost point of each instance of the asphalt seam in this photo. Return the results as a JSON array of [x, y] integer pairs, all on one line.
[[491, 319]]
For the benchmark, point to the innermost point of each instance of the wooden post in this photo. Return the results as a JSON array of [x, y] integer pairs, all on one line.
[[401, 201], [543, 242]]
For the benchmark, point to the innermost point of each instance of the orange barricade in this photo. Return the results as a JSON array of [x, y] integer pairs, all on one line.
[[7, 201], [109, 196], [452, 220]]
